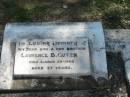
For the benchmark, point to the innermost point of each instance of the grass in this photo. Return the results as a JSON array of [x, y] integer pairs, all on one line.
[[113, 13]]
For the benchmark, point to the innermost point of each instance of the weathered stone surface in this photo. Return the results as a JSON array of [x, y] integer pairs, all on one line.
[[126, 57], [118, 40], [116, 85], [52, 57], [15, 32]]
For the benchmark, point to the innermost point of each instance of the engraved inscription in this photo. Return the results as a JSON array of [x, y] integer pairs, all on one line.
[[52, 56]]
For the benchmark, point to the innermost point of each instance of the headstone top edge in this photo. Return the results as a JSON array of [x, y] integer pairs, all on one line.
[[49, 23], [11, 27]]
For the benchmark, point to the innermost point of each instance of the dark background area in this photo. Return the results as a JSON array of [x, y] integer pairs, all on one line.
[[113, 13]]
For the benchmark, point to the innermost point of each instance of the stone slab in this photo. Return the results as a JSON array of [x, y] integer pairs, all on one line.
[[118, 40], [52, 57], [19, 31], [126, 57]]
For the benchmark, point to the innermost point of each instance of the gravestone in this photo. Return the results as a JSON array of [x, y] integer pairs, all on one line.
[[34, 52], [56, 57]]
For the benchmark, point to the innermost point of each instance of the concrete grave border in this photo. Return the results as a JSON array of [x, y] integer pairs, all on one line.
[[13, 31]]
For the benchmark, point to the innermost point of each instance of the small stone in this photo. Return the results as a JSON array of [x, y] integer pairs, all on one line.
[[120, 89], [43, 85], [65, 6], [110, 77]]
